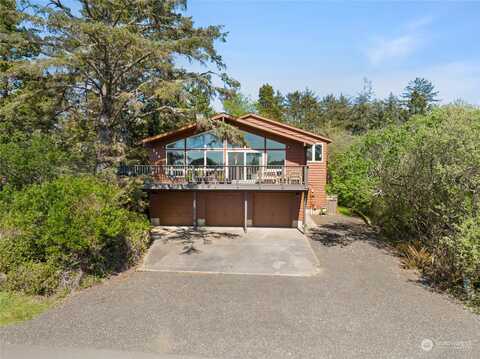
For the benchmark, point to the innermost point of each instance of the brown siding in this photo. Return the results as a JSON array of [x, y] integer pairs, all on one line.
[[295, 155], [317, 181]]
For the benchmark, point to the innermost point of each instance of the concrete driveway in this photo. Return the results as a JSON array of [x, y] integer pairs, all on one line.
[[260, 251], [362, 304]]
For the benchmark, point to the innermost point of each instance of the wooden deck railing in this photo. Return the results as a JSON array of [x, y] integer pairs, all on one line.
[[219, 174]]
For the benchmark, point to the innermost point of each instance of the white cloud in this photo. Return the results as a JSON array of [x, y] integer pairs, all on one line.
[[419, 23], [395, 48], [400, 46]]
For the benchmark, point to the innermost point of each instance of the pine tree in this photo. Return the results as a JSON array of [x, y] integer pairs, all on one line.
[[270, 104], [116, 61], [419, 96], [302, 109], [238, 104]]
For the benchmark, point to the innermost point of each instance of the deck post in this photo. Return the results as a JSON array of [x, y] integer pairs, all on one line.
[[195, 209], [305, 199], [245, 209]]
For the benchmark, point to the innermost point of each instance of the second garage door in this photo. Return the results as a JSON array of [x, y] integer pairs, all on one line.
[[224, 208], [271, 209]]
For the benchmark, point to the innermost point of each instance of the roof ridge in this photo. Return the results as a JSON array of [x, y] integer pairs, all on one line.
[[282, 124]]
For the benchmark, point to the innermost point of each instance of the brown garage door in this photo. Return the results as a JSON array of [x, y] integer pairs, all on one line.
[[272, 209], [224, 208], [172, 208]]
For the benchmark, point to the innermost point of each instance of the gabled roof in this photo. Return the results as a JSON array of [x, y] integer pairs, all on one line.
[[254, 121]]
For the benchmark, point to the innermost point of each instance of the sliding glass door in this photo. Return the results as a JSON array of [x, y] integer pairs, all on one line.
[[244, 165], [236, 166]]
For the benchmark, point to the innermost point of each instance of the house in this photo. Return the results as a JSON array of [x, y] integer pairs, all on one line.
[[194, 178]]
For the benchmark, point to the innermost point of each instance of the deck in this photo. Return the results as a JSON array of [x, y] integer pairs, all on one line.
[[259, 178]]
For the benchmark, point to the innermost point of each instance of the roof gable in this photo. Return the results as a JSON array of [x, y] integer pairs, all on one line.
[[254, 121]]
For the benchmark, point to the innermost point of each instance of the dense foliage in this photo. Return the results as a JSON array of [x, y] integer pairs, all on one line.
[[420, 183], [26, 160], [109, 68], [59, 233]]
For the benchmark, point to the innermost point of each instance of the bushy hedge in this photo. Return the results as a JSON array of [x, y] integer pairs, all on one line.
[[31, 158], [420, 182], [57, 234]]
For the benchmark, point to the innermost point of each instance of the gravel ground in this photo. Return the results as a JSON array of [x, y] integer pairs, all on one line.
[[360, 305]]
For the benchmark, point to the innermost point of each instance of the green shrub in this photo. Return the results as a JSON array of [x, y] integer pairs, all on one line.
[[420, 183], [29, 159], [33, 279], [70, 227]]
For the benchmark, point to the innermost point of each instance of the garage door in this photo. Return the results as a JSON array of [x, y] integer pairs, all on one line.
[[271, 209], [224, 208], [172, 208]]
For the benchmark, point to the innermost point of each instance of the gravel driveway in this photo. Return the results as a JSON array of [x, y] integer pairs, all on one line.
[[360, 305]]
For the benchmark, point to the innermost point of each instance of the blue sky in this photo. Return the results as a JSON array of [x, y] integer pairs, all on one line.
[[330, 47]]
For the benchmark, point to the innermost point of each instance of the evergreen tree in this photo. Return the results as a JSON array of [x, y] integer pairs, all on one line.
[[28, 100], [270, 104], [335, 111], [362, 111], [419, 96], [116, 62], [394, 112], [238, 104], [302, 109]]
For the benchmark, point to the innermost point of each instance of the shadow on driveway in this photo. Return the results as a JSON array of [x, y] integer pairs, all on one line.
[[343, 231], [260, 251]]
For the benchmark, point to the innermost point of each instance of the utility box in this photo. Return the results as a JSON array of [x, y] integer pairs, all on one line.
[[332, 205]]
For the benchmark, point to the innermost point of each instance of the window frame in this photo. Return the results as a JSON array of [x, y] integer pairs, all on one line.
[[314, 151]]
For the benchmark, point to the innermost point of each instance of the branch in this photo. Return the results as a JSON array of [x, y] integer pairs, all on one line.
[[130, 66], [59, 4]]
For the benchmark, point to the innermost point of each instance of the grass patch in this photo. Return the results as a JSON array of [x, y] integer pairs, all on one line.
[[15, 308], [345, 211]]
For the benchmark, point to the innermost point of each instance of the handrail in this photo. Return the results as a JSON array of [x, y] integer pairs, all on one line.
[[179, 174]]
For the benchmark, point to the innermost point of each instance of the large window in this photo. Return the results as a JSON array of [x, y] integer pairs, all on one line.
[[315, 153], [195, 158], [206, 149], [193, 151], [177, 144], [214, 158], [254, 141], [176, 158], [257, 142], [204, 140], [274, 145], [275, 158]]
